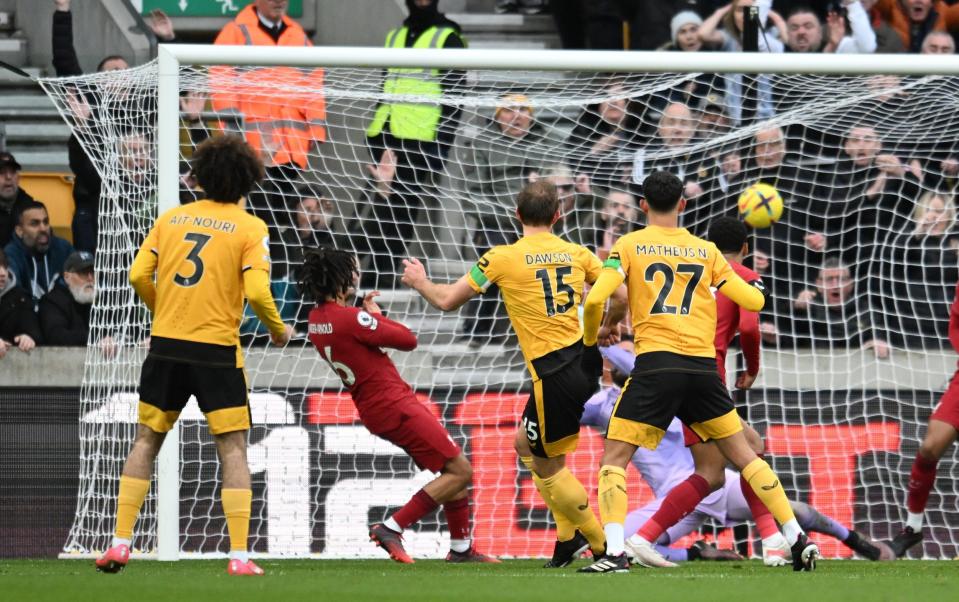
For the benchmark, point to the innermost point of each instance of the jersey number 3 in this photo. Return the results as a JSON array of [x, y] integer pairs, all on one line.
[[659, 306], [561, 287], [199, 241]]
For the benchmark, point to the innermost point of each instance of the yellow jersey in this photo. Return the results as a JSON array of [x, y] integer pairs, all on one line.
[[541, 277], [201, 251], [670, 277]]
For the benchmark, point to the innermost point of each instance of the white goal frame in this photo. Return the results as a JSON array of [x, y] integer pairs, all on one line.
[[171, 57]]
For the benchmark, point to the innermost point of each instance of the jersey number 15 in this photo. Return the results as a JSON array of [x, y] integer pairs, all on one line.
[[553, 308]]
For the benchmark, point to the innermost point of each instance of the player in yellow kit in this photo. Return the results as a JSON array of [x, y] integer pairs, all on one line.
[[205, 256], [542, 277], [669, 275]]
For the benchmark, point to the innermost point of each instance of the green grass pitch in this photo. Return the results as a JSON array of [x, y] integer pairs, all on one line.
[[522, 580]]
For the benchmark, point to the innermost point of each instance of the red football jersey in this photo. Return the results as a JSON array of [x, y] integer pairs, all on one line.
[[730, 318], [350, 341]]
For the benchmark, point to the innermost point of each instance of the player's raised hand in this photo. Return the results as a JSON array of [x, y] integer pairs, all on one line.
[[413, 272], [284, 338], [369, 305], [608, 335]]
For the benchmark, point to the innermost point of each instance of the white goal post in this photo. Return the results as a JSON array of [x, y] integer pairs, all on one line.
[[923, 370]]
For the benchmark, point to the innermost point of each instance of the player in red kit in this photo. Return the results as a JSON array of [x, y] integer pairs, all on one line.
[[941, 433], [351, 339], [730, 237]]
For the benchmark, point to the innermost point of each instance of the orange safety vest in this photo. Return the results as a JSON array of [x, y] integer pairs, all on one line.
[[283, 108]]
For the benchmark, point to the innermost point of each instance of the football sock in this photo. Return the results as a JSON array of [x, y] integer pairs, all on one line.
[[129, 500], [792, 531], [763, 518], [680, 501], [236, 508], [766, 484], [613, 503], [811, 519], [419, 506], [565, 530], [458, 520], [570, 498], [921, 479]]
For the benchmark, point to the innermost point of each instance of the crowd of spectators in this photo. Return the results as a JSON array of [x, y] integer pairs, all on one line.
[[864, 256]]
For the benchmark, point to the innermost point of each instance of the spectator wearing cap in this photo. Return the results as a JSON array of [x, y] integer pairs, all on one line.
[[65, 310], [18, 321], [497, 164], [35, 253], [11, 195]]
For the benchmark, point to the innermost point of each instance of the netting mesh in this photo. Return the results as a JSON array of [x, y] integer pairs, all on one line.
[[861, 266]]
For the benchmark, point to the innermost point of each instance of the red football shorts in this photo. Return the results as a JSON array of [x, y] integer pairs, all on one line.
[[690, 437], [412, 427], [948, 409]]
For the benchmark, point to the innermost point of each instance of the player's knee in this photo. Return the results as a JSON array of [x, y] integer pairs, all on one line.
[[521, 444], [715, 479], [461, 469], [932, 448]]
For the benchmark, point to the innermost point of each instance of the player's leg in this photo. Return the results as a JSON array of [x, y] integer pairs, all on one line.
[[940, 435], [812, 521], [640, 417], [222, 395], [710, 412], [427, 442], [775, 547], [162, 397], [570, 543], [551, 421]]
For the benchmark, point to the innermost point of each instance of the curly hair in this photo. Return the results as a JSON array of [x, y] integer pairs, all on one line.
[[728, 234], [326, 273], [227, 168]]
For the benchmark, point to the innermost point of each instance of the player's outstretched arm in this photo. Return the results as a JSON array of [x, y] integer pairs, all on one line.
[[607, 284], [256, 287], [445, 297], [141, 275]]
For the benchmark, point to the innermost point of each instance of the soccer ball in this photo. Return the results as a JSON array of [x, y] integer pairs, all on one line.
[[760, 205]]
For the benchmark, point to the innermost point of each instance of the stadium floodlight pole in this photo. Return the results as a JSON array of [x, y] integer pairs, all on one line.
[[168, 196], [566, 60]]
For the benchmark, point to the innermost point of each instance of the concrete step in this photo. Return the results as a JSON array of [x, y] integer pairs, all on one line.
[[37, 132], [517, 41], [18, 99], [9, 77], [13, 51], [41, 159], [494, 23]]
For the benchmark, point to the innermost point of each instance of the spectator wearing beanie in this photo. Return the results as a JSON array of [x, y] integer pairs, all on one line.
[[684, 32]]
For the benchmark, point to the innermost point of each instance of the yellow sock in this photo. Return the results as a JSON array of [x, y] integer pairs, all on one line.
[[613, 501], [565, 530], [570, 497], [236, 507], [129, 501], [767, 487]]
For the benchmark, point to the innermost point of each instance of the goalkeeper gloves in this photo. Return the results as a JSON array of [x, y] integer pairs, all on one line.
[[592, 364]]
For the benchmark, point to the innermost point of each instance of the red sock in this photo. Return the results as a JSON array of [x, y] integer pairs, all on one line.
[[419, 506], [458, 518], [921, 478], [680, 501], [761, 514]]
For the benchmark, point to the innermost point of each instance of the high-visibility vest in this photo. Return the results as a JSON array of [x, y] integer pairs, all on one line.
[[283, 108], [412, 121]]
